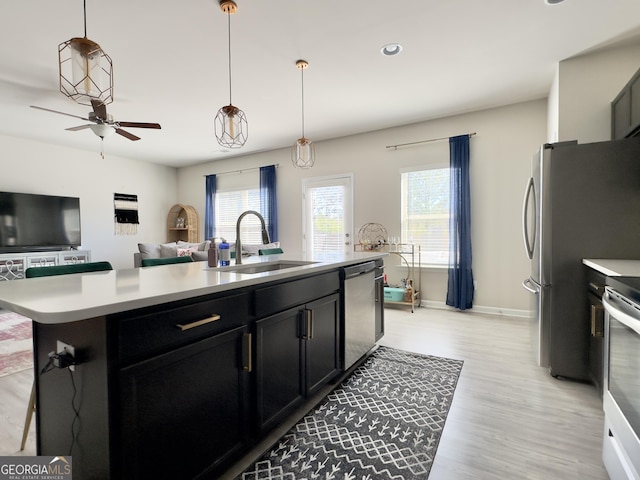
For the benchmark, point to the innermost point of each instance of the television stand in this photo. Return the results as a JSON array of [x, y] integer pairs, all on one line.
[[14, 265]]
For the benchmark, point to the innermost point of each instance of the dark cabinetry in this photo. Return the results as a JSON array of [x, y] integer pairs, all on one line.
[[180, 390], [183, 378], [298, 349], [186, 411], [595, 288], [625, 110]]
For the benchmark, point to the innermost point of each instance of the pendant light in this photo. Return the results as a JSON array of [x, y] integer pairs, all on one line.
[[231, 125], [86, 71], [303, 152]]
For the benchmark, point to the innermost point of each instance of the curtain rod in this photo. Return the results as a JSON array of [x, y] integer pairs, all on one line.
[[242, 171], [395, 147]]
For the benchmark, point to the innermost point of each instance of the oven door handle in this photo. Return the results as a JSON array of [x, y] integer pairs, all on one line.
[[616, 312]]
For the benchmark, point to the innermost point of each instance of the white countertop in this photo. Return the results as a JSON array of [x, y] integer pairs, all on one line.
[[68, 298], [614, 268]]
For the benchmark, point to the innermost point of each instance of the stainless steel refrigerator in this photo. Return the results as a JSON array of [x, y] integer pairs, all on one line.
[[582, 201]]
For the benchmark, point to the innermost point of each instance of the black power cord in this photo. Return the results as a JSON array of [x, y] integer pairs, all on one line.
[[64, 360]]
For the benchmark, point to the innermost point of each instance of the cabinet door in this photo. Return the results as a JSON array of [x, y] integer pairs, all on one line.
[[322, 349], [73, 257], [621, 115], [278, 367], [186, 411], [12, 268]]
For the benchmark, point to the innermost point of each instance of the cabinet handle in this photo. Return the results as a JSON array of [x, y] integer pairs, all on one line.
[[309, 314], [597, 321], [248, 360], [197, 323], [597, 287]]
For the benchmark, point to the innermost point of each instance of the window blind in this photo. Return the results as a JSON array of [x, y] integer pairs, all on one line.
[[229, 206], [425, 213], [328, 214]]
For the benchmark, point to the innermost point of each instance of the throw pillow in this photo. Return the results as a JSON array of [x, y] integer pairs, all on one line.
[[168, 250], [253, 249], [184, 252], [200, 247], [200, 256], [149, 250]]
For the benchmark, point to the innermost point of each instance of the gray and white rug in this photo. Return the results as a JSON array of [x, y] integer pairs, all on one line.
[[383, 422]]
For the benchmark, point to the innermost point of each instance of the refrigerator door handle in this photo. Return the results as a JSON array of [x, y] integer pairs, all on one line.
[[529, 193], [530, 287]]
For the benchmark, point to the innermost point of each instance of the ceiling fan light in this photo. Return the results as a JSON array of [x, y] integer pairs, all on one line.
[[303, 153], [231, 127], [102, 130], [86, 71]]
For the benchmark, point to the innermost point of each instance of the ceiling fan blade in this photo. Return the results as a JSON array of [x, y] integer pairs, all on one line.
[[61, 113], [139, 125], [81, 127], [126, 134], [99, 108]]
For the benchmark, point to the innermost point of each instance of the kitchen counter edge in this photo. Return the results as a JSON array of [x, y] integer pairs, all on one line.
[[614, 267], [70, 298]]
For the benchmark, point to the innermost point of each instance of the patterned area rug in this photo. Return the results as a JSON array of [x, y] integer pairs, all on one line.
[[16, 346], [383, 422]]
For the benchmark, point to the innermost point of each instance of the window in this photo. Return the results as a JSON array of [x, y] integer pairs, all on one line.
[[229, 206], [425, 213]]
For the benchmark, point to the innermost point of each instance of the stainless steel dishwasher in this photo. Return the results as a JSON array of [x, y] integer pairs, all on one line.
[[359, 311]]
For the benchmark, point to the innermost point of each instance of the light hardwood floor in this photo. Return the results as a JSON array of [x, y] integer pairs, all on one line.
[[509, 418]]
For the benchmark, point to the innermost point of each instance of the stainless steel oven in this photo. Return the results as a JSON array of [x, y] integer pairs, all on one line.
[[621, 397]]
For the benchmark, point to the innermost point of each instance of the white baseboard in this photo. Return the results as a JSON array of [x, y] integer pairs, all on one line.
[[507, 312]]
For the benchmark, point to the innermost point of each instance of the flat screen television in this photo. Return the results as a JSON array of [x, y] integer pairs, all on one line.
[[33, 222]]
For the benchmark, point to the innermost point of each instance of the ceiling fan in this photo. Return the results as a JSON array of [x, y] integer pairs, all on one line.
[[103, 124]]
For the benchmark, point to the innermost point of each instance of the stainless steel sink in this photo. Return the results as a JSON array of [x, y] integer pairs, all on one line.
[[262, 267]]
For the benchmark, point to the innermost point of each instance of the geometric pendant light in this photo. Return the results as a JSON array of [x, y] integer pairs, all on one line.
[[231, 126], [303, 152], [86, 71]]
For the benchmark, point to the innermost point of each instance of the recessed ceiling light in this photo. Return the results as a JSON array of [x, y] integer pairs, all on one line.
[[391, 49], [553, 2]]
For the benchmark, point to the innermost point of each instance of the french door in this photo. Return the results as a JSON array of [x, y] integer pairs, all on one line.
[[327, 214]]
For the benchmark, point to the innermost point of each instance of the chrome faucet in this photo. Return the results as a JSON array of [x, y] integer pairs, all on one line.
[[265, 234]]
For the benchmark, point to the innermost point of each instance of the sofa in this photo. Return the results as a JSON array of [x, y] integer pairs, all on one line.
[[198, 251]]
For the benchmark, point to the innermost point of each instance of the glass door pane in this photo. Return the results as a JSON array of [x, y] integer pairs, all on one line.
[[328, 214]]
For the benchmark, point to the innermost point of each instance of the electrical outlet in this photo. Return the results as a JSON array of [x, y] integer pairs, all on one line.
[[62, 347]]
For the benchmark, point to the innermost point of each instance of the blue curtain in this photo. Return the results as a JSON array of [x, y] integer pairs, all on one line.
[[210, 207], [460, 285], [268, 200]]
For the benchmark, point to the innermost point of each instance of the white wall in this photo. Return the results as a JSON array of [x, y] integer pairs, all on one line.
[[587, 86], [500, 161], [32, 167], [553, 108]]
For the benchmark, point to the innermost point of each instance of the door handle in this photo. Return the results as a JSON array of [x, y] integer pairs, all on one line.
[[528, 194], [247, 362], [529, 287], [307, 319]]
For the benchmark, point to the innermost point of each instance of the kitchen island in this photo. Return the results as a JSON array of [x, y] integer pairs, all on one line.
[[180, 369]]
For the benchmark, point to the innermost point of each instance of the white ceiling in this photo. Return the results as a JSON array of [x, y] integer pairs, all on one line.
[[170, 65]]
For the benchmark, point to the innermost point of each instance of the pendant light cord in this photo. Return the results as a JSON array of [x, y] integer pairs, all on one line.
[[229, 44], [302, 73], [85, 18]]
